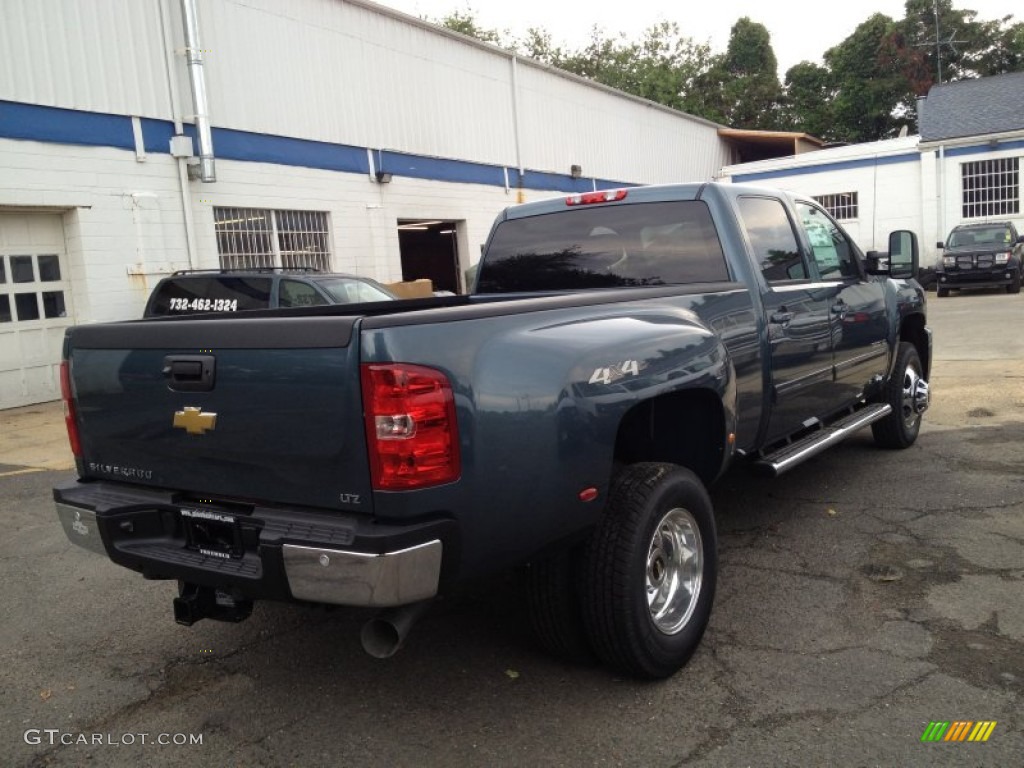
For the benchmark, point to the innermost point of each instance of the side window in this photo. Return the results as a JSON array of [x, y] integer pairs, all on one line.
[[187, 294], [293, 293], [231, 294], [832, 250], [772, 239]]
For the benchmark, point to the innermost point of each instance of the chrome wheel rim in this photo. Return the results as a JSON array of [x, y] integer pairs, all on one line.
[[914, 400], [675, 569]]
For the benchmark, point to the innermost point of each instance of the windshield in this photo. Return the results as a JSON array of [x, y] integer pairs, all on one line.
[[604, 247], [350, 290], [998, 234]]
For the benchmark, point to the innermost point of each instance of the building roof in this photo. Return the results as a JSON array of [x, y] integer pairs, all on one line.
[[982, 107], [762, 145]]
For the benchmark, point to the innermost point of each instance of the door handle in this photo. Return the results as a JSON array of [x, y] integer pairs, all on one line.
[[190, 373], [781, 317]]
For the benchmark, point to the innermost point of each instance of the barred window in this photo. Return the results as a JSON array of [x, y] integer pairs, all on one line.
[[991, 187], [253, 238], [842, 206]]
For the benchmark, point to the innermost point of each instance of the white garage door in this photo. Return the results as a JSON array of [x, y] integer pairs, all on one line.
[[35, 307]]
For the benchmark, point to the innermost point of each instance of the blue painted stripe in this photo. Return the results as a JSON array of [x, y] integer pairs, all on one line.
[[438, 169], [69, 126], [156, 135], [260, 148], [462, 171], [555, 182], [282, 150], [867, 162], [983, 149], [65, 126]]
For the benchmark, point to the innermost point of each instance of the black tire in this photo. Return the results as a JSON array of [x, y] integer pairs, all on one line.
[[1014, 287], [621, 556], [941, 292], [900, 428], [556, 610]]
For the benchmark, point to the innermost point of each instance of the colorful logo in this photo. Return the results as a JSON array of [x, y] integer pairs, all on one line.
[[959, 730]]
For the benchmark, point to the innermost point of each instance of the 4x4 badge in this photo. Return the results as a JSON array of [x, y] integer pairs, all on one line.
[[194, 420]]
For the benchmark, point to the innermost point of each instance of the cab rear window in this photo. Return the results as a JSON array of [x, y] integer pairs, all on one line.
[[188, 295], [642, 244]]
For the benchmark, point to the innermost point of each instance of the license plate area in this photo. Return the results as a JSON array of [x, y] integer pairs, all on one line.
[[212, 532]]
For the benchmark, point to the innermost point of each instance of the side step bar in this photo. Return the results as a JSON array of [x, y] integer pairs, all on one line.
[[787, 457]]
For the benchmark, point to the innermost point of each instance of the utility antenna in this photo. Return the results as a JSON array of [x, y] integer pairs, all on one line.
[[938, 42]]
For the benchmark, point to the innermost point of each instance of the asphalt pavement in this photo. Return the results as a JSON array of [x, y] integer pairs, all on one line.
[[862, 596]]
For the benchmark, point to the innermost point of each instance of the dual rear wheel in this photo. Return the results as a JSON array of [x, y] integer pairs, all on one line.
[[638, 593]]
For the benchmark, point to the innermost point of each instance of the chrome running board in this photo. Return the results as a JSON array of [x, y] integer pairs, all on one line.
[[787, 457]]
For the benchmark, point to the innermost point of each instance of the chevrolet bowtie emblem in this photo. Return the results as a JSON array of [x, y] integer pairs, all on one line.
[[194, 421]]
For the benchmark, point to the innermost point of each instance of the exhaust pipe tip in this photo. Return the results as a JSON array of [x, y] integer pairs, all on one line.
[[383, 636], [380, 638]]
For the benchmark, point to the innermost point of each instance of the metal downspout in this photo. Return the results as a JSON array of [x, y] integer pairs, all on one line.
[[194, 57], [942, 193], [515, 128], [172, 91]]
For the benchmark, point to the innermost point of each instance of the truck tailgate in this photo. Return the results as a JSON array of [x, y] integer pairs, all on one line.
[[255, 408]]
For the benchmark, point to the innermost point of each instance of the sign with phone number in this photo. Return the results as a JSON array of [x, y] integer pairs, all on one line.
[[204, 305]]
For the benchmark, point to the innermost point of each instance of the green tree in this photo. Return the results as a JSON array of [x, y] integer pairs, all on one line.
[[538, 45], [1004, 51], [741, 88], [868, 84], [952, 41], [809, 94], [663, 66], [466, 23], [866, 90]]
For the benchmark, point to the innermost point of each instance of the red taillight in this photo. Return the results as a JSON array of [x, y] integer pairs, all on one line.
[[411, 431], [587, 198], [69, 408]]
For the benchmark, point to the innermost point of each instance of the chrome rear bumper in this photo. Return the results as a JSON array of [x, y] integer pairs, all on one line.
[[278, 555], [80, 526], [355, 578]]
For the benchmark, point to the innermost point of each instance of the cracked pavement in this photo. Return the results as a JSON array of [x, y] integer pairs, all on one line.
[[860, 596]]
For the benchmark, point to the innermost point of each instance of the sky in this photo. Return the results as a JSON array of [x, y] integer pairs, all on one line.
[[799, 30]]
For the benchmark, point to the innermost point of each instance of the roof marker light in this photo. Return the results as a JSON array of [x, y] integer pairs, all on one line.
[[588, 198]]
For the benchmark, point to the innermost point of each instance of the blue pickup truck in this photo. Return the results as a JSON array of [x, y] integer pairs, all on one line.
[[621, 350]]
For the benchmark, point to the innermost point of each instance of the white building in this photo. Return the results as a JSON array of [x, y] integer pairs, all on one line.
[[344, 135], [965, 166]]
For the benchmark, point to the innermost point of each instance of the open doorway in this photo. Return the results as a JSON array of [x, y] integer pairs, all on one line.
[[429, 249]]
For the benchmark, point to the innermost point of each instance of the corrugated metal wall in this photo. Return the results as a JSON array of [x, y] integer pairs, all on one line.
[[331, 71], [346, 73], [565, 122], [96, 55]]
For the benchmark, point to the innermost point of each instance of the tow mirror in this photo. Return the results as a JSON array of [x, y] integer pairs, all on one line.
[[876, 263], [903, 254]]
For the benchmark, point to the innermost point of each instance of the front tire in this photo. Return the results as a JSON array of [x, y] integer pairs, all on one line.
[[651, 567], [907, 393], [941, 292], [1014, 287]]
